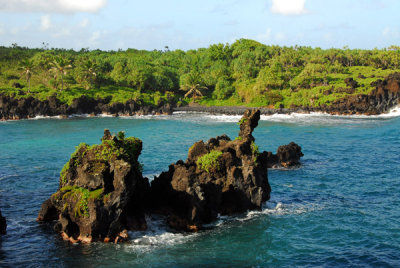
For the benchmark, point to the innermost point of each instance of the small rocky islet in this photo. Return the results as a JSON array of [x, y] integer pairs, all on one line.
[[102, 194]]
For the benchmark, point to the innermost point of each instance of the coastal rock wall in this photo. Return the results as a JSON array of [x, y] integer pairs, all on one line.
[[13, 109], [385, 96]]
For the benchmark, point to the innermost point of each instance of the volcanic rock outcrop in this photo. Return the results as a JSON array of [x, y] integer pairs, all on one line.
[[286, 156], [3, 224], [385, 96], [220, 176], [101, 192], [12, 108]]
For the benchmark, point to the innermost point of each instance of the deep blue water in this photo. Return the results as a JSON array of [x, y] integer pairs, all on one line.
[[340, 209]]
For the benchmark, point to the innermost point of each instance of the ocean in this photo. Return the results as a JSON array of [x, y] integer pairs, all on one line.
[[341, 208]]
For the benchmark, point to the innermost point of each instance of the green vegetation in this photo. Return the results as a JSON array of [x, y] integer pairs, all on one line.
[[244, 73], [255, 150], [241, 121], [63, 173], [81, 196], [209, 161], [108, 151]]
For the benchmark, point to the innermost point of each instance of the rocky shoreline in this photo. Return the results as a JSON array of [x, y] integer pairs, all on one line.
[[26, 108], [385, 96]]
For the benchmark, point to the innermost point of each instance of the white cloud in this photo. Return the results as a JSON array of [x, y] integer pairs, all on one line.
[[288, 7], [45, 22], [56, 6]]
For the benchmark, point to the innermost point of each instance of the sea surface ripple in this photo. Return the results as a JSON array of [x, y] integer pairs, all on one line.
[[340, 209]]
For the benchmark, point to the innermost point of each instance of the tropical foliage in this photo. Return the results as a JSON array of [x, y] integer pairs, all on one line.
[[243, 73]]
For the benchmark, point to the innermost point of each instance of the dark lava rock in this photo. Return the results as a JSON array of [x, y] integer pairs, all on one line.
[[82, 105], [286, 156], [3, 224], [101, 192], [385, 96], [220, 176]]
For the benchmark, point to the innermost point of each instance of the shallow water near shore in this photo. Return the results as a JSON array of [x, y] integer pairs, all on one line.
[[341, 208]]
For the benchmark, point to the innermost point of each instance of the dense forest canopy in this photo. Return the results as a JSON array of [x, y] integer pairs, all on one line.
[[243, 73]]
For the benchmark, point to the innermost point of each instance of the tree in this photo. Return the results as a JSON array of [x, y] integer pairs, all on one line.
[[88, 73], [59, 67], [270, 77], [27, 69], [191, 83]]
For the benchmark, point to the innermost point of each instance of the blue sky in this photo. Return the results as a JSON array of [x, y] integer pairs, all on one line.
[[114, 24]]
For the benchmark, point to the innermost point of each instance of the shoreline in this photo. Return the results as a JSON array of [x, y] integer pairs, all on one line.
[[226, 111], [381, 100]]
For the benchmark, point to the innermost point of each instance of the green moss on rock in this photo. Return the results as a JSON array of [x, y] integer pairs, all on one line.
[[80, 197]]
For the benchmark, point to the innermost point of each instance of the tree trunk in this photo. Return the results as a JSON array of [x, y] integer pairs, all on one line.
[[62, 82]]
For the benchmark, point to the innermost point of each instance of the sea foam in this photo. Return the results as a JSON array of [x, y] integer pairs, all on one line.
[[157, 235]]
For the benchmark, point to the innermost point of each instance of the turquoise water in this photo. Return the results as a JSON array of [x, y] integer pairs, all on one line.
[[340, 209]]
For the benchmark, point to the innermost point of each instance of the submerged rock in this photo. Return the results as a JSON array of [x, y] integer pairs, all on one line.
[[101, 192], [3, 224], [286, 156], [220, 176]]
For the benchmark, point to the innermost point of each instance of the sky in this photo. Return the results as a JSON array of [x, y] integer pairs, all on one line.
[[192, 24]]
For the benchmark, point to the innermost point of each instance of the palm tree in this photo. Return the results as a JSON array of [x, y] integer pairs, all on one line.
[[88, 73], [194, 90], [27, 69], [191, 83], [59, 66]]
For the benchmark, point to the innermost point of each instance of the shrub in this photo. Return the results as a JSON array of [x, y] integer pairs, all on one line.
[[209, 161]]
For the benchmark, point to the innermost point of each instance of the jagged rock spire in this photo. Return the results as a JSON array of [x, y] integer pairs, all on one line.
[[248, 123]]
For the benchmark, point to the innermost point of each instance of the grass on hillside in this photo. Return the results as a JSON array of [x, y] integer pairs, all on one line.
[[312, 97]]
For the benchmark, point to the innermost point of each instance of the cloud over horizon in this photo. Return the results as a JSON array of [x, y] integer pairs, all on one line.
[[288, 7], [52, 6]]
